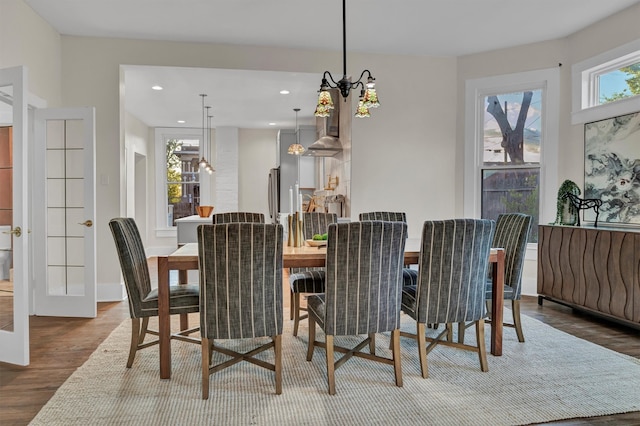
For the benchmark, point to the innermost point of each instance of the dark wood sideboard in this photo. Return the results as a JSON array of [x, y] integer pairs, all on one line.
[[592, 269]]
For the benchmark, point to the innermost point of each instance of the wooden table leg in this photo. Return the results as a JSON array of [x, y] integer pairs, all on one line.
[[164, 320], [497, 304]]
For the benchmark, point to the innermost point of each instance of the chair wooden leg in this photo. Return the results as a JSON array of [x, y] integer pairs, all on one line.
[[296, 313], [461, 328], [397, 364], [482, 352], [515, 309], [135, 336], [143, 330], [331, 376], [372, 343], [184, 322], [449, 327], [277, 348], [291, 304], [312, 338], [205, 367], [422, 349]]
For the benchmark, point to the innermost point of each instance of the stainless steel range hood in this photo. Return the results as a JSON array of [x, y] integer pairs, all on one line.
[[326, 146]]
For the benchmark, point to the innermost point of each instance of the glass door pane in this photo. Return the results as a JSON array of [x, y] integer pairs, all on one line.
[[6, 217], [65, 207]]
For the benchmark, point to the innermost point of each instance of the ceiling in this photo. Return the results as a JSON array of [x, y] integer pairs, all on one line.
[[251, 99]]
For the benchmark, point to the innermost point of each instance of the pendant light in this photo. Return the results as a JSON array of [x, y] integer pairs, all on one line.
[[204, 163], [209, 168], [368, 95], [296, 148]]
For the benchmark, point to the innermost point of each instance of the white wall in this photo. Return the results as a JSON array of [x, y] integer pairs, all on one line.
[[257, 155], [26, 39]]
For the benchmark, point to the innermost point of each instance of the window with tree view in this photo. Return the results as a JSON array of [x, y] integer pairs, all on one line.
[[619, 83], [510, 169], [183, 178]]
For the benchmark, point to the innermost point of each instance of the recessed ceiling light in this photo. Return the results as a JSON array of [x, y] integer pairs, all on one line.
[[181, 121], [284, 92], [272, 124], [156, 87]]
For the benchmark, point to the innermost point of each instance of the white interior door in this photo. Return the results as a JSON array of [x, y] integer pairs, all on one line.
[[14, 214], [64, 231]]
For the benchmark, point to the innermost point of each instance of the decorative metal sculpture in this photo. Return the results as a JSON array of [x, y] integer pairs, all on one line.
[[569, 205], [567, 213], [582, 204]]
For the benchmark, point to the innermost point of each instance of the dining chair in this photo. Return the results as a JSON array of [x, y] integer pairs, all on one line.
[[231, 217], [240, 294], [454, 257], [512, 234], [363, 293], [143, 301], [308, 280], [386, 216], [409, 276]]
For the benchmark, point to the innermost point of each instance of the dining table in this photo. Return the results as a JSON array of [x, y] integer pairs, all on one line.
[[185, 258]]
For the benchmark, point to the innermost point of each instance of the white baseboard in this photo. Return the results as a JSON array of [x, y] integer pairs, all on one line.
[[112, 292]]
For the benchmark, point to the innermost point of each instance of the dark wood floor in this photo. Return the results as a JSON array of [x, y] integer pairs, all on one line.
[[60, 345]]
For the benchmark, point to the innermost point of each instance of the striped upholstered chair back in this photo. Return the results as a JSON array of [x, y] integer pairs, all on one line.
[[315, 223], [308, 280], [231, 217], [240, 280], [409, 276], [364, 277], [240, 293], [386, 216], [512, 234], [454, 259], [133, 263]]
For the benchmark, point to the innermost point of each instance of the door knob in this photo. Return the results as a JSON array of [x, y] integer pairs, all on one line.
[[17, 231], [88, 223]]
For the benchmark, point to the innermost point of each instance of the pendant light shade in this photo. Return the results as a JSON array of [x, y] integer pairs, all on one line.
[[296, 148]]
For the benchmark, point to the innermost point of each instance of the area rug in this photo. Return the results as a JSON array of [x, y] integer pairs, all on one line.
[[551, 376]]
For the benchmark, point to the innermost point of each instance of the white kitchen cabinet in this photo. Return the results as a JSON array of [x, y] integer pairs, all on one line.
[[188, 226]]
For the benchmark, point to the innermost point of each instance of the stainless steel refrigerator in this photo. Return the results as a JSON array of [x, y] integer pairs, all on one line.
[[274, 194]]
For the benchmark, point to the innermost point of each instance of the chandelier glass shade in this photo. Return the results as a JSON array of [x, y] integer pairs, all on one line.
[[368, 95]]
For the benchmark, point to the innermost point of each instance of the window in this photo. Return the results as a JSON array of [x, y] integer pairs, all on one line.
[[511, 139], [178, 186], [182, 194], [606, 85], [511, 136], [618, 84]]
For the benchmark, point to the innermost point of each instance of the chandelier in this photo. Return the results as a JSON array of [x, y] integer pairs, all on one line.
[[368, 95], [206, 136], [296, 148]]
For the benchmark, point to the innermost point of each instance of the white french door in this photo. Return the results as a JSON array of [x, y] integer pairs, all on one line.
[[64, 228], [14, 214]]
